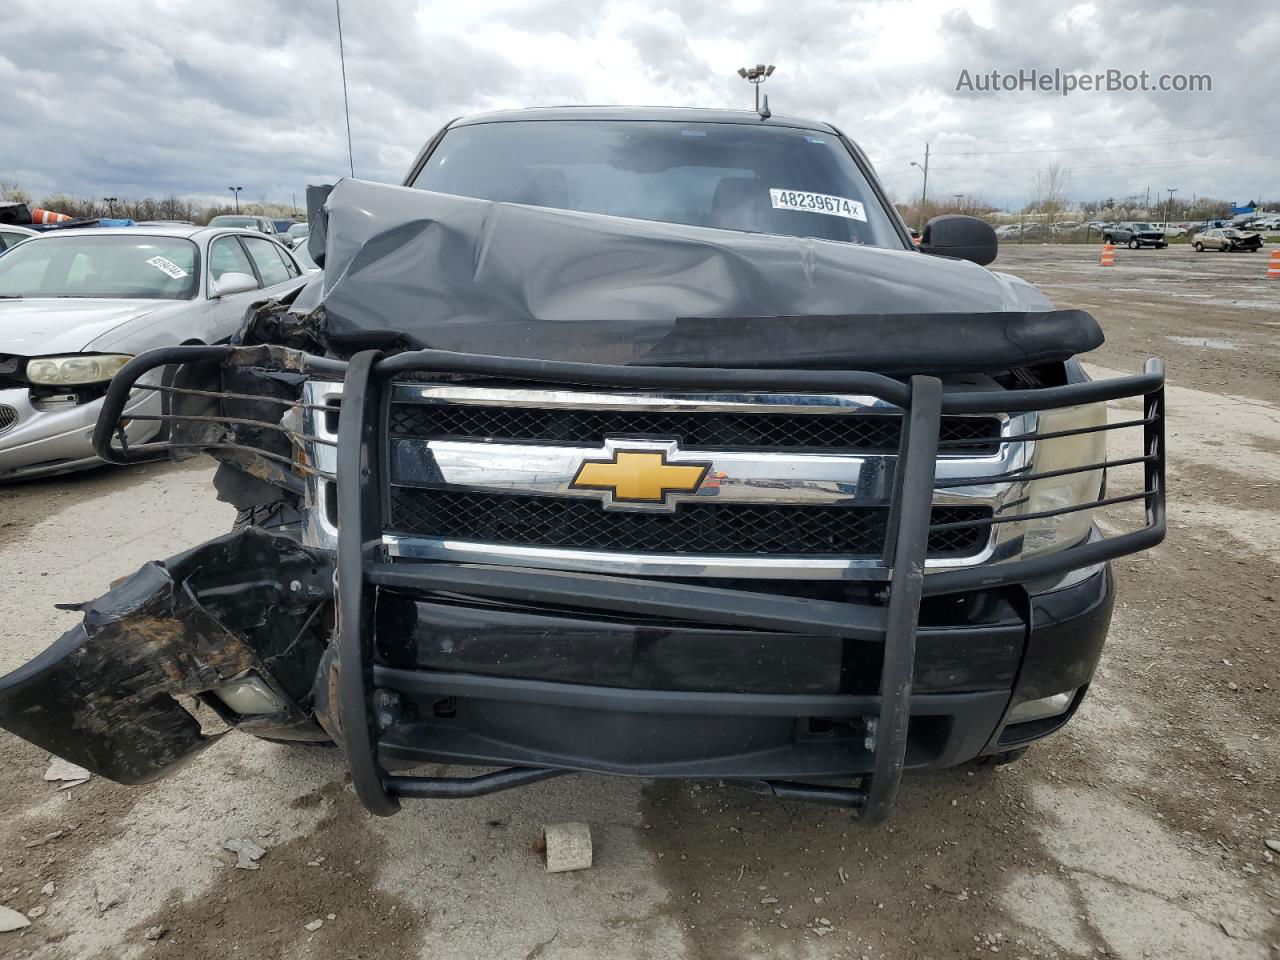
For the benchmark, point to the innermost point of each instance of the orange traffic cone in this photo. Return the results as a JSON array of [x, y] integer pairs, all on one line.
[[47, 216], [1108, 258], [1273, 266]]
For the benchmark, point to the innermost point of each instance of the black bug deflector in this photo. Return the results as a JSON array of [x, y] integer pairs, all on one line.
[[368, 688]]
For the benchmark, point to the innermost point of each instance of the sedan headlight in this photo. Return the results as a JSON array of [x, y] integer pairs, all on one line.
[[1069, 489], [78, 368]]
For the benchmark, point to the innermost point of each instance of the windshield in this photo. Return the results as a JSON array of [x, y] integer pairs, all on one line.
[[304, 257], [230, 220], [1142, 226], [733, 176], [299, 230], [148, 268], [1231, 233]]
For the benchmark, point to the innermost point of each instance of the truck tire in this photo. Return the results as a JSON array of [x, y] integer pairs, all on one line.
[[1135, 243], [282, 516]]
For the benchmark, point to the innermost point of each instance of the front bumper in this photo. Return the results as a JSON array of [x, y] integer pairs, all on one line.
[[525, 687], [48, 442], [521, 685]]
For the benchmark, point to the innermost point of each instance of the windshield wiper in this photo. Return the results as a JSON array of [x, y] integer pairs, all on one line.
[[10, 296]]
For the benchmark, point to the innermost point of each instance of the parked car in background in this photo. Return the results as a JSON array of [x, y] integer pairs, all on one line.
[[75, 307], [297, 233], [282, 230], [1227, 239], [1136, 234], [11, 235], [246, 222]]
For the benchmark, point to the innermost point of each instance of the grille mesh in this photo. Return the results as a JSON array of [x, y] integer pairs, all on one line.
[[703, 430], [711, 529], [8, 417]]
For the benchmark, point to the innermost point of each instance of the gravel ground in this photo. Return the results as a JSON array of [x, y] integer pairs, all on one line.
[[1138, 832]]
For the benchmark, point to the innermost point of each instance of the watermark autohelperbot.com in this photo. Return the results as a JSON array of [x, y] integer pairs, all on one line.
[[1065, 82]]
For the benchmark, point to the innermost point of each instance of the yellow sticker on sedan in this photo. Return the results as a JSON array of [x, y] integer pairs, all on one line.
[[807, 202]]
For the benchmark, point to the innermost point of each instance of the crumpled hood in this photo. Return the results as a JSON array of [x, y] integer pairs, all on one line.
[[411, 268], [43, 327]]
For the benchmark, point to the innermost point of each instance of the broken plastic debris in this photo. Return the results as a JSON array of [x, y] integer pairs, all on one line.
[[11, 920], [564, 847], [313, 926], [247, 852], [60, 769]]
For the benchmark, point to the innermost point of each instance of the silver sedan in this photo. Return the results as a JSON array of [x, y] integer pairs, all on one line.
[[76, 304]]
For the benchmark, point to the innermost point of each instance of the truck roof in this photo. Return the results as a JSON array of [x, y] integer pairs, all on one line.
[[674, 114]]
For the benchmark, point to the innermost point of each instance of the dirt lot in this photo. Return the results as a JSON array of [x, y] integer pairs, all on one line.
[[1137, 833]]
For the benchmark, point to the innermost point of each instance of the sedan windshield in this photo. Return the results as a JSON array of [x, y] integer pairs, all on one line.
[[231, 220], [123, 266], [733, 176]]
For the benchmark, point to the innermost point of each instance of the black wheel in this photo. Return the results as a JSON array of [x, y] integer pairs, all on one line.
[[1198, 246], [1135, 243], [1106, 238], [283, 516]]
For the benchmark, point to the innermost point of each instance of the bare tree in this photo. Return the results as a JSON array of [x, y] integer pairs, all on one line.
[[1049, 191], [11, 191]]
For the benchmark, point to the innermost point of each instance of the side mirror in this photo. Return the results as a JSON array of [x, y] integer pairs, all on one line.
[[966, 238], [230, 284]]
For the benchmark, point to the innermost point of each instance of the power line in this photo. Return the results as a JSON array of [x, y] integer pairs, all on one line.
[[1145, 143], [346, 105], [1142, 143], [1109, 166]]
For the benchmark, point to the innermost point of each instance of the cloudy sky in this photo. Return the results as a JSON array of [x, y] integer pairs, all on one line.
[[151, 97]]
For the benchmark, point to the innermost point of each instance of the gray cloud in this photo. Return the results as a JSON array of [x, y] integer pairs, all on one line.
[[130, 98]]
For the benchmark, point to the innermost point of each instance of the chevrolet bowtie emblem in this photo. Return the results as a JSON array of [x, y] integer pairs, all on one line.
[[639, 476]]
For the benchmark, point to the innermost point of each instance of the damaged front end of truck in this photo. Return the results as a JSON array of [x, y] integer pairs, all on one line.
[[548, 493]]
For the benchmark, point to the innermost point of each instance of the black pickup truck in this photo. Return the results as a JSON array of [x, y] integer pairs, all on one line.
[[624, 441]]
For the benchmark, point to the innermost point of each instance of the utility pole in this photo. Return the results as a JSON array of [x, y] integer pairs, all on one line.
[[236, 191], [1146, 204], [1168, 205], [924, 190]]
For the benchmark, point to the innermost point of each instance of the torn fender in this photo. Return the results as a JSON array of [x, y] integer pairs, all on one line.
[[104, 694]]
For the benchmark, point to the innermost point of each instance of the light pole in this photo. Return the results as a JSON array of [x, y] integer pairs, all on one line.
[[755, 76], [236, 191], [1167, 207], [924, 189], [111, 204]]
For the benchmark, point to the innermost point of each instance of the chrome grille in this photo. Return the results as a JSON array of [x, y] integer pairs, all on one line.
[[717, 430], [706, 529]]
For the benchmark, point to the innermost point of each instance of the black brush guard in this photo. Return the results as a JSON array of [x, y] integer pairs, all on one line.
[[362, 566]]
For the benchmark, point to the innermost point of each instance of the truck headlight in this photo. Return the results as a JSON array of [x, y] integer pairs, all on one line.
[[1068, 489], [77, 368]]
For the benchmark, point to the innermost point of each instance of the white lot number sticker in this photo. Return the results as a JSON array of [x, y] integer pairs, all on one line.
[[167, 267], [816, 203]]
